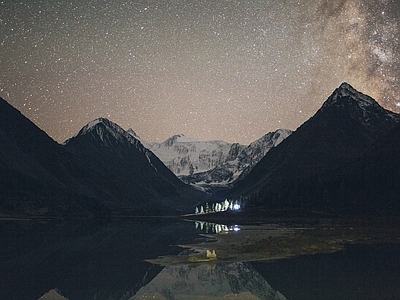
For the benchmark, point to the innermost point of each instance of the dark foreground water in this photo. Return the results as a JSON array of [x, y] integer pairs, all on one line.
[[107, 262]]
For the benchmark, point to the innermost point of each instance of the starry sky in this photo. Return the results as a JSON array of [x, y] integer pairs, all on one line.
[[212, 69]]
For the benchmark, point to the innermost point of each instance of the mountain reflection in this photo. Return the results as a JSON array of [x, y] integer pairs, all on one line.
[[135, 260], [235, 280]]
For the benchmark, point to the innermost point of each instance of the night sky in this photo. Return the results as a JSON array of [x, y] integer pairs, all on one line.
[[210, 69]]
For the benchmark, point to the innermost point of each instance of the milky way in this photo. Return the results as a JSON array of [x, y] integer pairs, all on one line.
[[230, 70]]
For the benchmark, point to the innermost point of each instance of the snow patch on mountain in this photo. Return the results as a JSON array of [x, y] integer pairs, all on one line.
[[359, 106], [201, 163], [346, 90], [238, 165], [185, 155], [137, 137], [103, 127], [115, 130]]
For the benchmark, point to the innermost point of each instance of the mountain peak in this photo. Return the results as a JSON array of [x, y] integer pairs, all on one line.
[[347, 87], [347, 101], [179, 138], [133, 133], [93, 123], [346, 92], [111, 126], [103, 127]]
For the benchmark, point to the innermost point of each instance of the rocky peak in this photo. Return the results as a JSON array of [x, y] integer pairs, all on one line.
[[346, 93], [106, 131], [357, 106]]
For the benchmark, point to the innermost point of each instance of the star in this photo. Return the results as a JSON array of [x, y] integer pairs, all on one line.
[[228, 70]]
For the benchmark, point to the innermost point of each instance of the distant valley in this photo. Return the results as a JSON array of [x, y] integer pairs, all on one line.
[[343, 160], [210, 164]]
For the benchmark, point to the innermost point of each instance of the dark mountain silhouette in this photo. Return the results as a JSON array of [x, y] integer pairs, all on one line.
[[136, 177], [344, 160], [101, 169], [306, 171], [370, 184], [37, 176]]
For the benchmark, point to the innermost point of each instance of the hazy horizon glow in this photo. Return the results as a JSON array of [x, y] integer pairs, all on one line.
[[215, 70]]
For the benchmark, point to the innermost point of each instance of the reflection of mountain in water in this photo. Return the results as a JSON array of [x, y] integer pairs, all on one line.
[[221, 281]]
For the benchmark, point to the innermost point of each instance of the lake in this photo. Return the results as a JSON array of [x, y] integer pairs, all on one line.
[[139, 258]]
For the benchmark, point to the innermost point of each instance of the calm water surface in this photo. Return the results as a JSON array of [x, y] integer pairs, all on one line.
[[108, 262]]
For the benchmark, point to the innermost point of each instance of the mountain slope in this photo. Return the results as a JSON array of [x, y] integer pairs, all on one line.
[[101, 168], [239, 163], [371, 182], [137, 179], [37, 176], [28, 150], [184, 156], [347, 124], [366, 185]]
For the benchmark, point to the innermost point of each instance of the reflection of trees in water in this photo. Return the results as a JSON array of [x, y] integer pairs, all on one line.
[[227, 204], [214, 228]]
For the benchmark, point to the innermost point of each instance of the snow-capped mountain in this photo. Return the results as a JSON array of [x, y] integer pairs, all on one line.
[[223, 281], [38, 176], [239, 163], [184, 155], [137, 137], [360, 107], [108, 131]]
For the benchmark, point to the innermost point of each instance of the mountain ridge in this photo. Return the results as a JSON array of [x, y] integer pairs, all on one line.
[[239, 163], [330, 140], [135, 171], [184, 156], [102, 169], [345, 157], [37, 176]]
